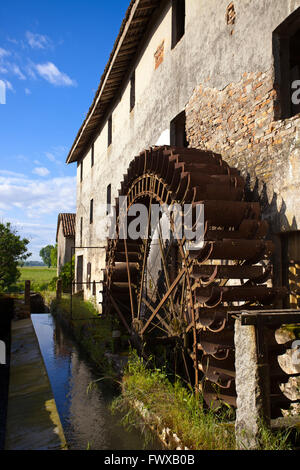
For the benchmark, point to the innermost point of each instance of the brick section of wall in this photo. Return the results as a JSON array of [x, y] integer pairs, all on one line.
[[238, 122]]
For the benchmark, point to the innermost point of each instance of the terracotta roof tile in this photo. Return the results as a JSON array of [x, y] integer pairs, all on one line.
[[68, 224]]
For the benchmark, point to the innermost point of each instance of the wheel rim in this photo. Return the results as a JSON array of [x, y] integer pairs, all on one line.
[[187, 296]]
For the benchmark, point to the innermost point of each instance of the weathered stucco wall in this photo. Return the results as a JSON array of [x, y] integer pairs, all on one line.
[[61, 247], [64, 249], [223, 76]]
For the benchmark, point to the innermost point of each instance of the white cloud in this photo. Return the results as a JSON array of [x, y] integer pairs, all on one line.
[[16, 71], [8, 85], [52, 158], [41, 171], [12, 173], [53, 75], [12, 40], [22, 157], [38, 41], [39, 234], [4, 52], [27, 91], [38, 197], [30, 69], [4, 207]]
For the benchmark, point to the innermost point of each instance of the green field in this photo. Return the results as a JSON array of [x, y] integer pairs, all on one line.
[[39, 276]]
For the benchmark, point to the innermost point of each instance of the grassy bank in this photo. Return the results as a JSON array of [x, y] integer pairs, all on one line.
[[91, 331], [176, 407], [197, 427]]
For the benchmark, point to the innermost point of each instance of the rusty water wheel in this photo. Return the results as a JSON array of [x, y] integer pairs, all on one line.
[[164, 293]]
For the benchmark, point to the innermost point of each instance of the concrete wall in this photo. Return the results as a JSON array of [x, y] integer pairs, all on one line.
[[232, 65]]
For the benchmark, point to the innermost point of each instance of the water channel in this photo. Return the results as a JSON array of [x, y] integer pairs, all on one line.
[[86, 417]]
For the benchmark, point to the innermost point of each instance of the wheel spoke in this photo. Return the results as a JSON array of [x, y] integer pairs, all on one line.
[[157, 315], [163, 300], [164, 262], [158, 295], [129, 279], [185, 292], [144, 260]]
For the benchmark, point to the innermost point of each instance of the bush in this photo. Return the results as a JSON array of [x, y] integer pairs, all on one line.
[[92, 332], [66, 275]]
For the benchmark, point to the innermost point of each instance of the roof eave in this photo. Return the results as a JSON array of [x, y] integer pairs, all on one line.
[[101, 100]]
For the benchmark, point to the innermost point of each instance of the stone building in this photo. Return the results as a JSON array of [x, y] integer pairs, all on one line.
[[212, 75], [65, 239]]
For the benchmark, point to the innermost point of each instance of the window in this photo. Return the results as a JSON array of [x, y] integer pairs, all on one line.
[[91, 211], [178, 21], [81, 170], [94, 288], [109, 131], [230, 14], [81, 227], [88, 274], [92, 156], [79, 273], [108, 199], [290, 244], [132, 91], [178, 132], [159, 55], [286, 50]]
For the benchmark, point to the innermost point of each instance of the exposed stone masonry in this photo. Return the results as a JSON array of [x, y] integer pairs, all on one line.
[[238, 122]]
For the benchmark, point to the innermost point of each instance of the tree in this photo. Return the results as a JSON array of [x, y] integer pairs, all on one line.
[[53, 256], [13, 251], [45, 254]]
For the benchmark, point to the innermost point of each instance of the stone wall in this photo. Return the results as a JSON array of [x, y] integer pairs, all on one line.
[[239, 123]]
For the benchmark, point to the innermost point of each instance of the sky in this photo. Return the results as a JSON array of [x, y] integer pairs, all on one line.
[[52, 56]]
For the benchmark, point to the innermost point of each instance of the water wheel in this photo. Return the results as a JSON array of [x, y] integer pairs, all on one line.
[[167, 294]]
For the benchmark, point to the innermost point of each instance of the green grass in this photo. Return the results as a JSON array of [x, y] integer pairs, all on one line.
[[177, 407], [198, 427], [91, 331], [39, 276]]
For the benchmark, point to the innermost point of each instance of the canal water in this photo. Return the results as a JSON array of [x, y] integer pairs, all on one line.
[[86, 417]]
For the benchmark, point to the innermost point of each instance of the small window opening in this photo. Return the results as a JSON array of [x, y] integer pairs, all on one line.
[[94, 288], [286, 50], [88, 275], [81, 227], [290, 244], [91, 211], [109, 131], [108, 199], [92, 155], [81, 170], [132, 91], [230, 14], [159, 55], [79, 273], [178, 21], [178, 131]]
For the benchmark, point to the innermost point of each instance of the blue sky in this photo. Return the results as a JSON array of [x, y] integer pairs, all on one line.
[[52, 55]]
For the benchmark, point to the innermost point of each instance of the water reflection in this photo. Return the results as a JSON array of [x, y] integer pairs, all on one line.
[[86, 418]]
